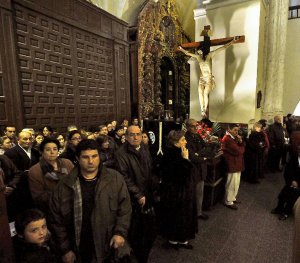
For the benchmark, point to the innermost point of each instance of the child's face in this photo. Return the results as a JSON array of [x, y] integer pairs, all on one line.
[[36, 232]]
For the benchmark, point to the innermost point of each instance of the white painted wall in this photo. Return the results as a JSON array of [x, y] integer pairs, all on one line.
[[235, 70], [292, 68]]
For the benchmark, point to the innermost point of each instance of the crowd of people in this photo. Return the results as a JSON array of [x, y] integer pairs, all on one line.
[[98, 196]]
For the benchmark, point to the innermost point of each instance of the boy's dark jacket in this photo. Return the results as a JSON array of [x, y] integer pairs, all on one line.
[[32, 253]]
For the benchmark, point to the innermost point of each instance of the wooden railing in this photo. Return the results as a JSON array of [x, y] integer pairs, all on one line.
[[294, 12]]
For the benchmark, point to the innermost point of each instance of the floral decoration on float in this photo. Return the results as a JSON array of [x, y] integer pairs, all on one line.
[[209, 131]]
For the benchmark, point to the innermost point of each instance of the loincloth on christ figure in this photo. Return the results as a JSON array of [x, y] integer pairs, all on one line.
[[207, 82]]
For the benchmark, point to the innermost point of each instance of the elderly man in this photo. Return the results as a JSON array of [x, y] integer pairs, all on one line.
[[90, 209], [233, 151], [195, 145], [133, 161], [23, 157]]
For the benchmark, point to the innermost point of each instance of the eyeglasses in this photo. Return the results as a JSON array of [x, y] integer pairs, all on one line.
[[134, 134]]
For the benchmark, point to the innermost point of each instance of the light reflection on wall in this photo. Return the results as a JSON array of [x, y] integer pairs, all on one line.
[[297, 110], [294, 2]]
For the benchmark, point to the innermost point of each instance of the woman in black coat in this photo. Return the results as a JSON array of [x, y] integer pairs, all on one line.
[[178, 202], [254, 154], [106, 152], [74, 138]]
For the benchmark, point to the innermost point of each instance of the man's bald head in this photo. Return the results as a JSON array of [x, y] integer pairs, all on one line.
[[24, 139]]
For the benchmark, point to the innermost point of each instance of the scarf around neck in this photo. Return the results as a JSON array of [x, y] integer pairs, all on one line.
[[50, 173]]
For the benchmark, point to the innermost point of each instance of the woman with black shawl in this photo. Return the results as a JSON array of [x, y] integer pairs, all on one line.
[[254, 154], [74, 138], [178, 201]]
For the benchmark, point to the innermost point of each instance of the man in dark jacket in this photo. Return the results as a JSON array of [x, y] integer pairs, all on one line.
[[10, 132], [291, 191], [90, 209], [276, 138], [23, 156], [11, 178], [196, 145], [133, 161]]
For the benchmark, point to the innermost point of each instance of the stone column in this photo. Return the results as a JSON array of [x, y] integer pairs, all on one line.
[[274, 55]]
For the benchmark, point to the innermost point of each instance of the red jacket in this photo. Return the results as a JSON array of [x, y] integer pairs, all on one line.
[[233, 153], [266, 139]]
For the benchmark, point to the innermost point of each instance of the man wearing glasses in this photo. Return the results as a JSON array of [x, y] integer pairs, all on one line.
[[74, 138], [133, 161]]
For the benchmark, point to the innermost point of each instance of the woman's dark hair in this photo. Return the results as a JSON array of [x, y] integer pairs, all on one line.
[[207, 122], [60, 134], [71, 133], [3, 138], [30, 215], [263, 122], [174, 136], [146, 132], [49, 128], [101, 139], [87, 144], [232, 125], [94, 129], [119, 127], [49, 140]]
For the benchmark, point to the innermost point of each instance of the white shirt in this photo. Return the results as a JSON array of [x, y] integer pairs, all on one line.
[[228, 133]]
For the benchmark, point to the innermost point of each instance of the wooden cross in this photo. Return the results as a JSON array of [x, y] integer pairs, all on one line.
[[207, 43]]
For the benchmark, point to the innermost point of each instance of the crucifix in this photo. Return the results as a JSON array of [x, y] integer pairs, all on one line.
[[204, 58]]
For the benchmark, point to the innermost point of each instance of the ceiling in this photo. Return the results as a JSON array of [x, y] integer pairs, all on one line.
[[128, 10]]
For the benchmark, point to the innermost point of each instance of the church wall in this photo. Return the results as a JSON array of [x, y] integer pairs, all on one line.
[[291, 94], [235, 70]]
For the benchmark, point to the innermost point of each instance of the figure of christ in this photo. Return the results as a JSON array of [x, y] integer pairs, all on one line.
[[206, 80]]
